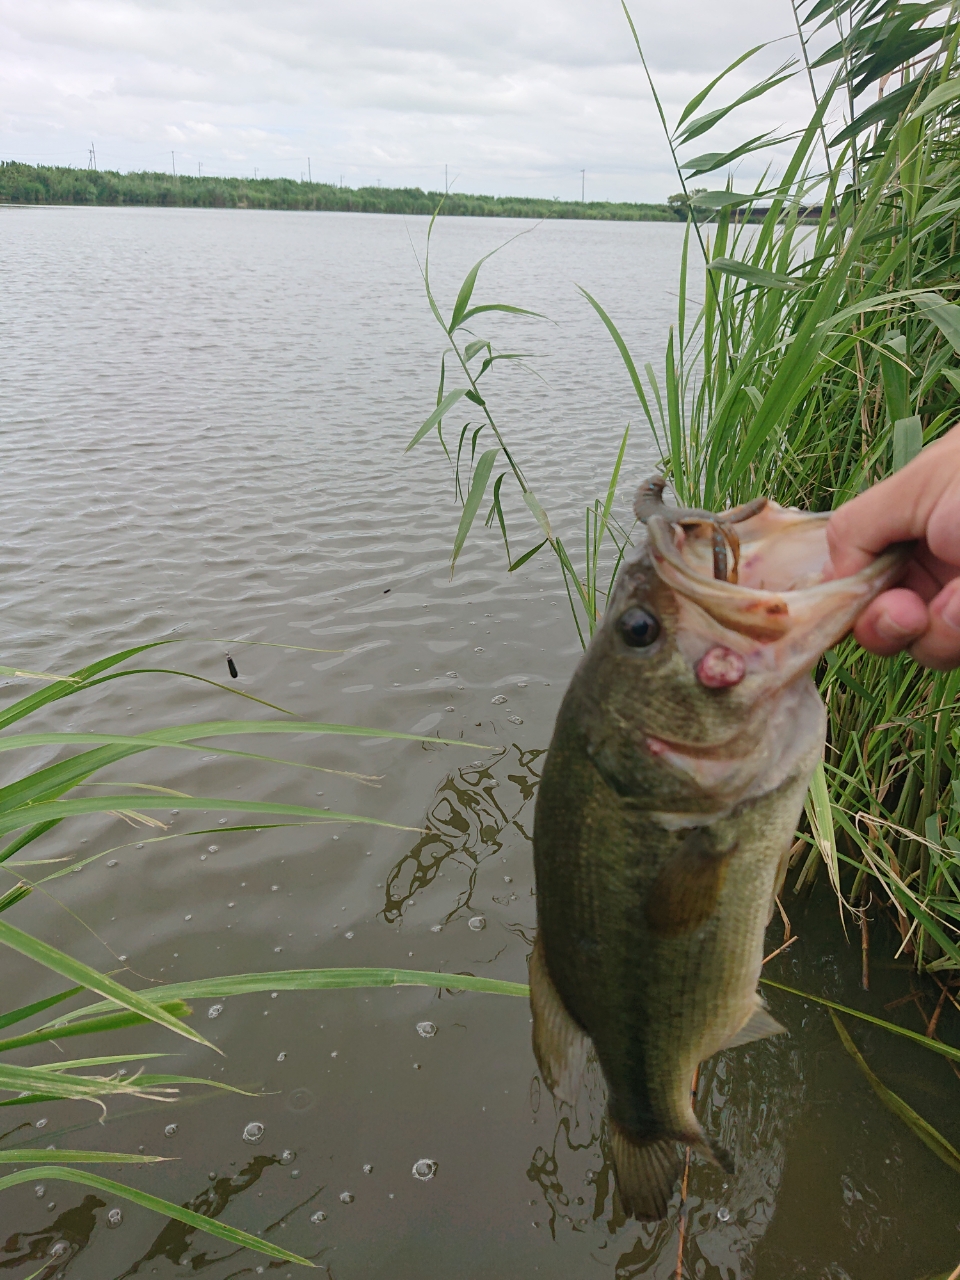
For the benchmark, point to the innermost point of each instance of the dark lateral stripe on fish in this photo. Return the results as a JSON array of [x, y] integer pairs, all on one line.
[[684, 894]]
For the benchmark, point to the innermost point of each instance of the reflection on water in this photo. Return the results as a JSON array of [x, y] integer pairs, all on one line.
[[54, 1246], [724, 1216], [471, 813]]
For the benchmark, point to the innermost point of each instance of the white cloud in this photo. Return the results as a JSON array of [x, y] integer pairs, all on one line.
[[515, 97]]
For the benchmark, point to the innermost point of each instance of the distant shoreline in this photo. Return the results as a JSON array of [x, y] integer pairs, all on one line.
[[25, 184]]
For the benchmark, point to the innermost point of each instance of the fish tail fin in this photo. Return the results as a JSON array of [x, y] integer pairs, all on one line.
[[647, 1169], [559, 1045]]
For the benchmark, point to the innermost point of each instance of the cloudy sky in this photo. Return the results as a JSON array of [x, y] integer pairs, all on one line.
[[515, 96]]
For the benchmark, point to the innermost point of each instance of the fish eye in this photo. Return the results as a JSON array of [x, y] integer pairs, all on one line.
[[638, 627]]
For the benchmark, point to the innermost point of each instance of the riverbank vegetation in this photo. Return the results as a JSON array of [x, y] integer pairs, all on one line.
[[806, 363], [49, 184]]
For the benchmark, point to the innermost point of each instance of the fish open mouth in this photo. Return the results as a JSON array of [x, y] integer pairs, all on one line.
[[758, 577]]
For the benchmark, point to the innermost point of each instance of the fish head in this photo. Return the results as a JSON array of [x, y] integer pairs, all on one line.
[[684, 661]]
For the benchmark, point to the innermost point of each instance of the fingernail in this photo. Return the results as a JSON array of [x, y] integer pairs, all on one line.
[[887, 629], [950, 612]]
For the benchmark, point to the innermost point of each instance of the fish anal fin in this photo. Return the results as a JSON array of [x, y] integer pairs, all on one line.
[[758, 1026], [559, 1044]]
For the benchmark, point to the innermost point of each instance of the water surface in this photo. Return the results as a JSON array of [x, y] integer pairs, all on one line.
[[204, 415]]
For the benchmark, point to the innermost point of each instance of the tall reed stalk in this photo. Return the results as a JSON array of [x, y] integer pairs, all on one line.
[[823, 353]]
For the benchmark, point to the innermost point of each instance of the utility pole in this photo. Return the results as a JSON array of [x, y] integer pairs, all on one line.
[[309, 172], [254, 173], [583, 185], [198, 168], [173, 161], [92, 158]]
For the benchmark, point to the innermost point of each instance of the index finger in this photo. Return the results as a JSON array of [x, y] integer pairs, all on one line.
[[897, 509]]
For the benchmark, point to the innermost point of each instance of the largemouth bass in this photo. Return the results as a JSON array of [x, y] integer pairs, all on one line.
[[670, 796]]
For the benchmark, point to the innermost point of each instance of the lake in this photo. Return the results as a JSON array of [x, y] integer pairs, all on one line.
[[204, 417]]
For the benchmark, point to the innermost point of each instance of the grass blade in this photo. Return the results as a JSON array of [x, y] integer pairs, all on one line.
[[51, 1173], [935, 1046], [76, 971], [22, 1155], [481, 478], [893, 1102]]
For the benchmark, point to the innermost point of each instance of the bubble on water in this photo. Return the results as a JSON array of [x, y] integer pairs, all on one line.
[[436, 928], [514, 719], [476, 923], [51, 1206], [113, 863], [188, 917], [449, 708], [424, 1170], [122, 959], [451, 675], [213, 848], [223, 822], [40, 1124], [253, 1132], [318, 1217], [215, 1011], [723, 1215], [282, 1057], [478, 651], [347, 1197], [499, 699], [335, 1053], [426, 1029], [348, 934], [274, 994], [294, 1173], [203, 857], [274, 888], [171, 1130], [477, 764], [508, 879], [277, 950], [287, 1156], [115, 1218], [300, 1100], [368, 1168], [58, 1248], [521, 684], [231, 904], [40, 1190]]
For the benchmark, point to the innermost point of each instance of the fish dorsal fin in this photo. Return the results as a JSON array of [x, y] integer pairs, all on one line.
[[560, 1046], [758, 1026]]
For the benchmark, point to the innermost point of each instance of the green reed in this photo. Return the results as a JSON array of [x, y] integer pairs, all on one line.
[[823, 351], [36, 802]]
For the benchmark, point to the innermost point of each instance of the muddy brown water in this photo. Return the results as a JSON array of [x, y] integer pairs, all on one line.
[[203, 423]]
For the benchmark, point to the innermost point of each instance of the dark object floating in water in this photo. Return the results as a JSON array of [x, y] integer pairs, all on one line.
[[387, 592], [232, 667]]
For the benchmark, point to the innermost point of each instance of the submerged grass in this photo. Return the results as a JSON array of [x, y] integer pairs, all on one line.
[[819, 358]]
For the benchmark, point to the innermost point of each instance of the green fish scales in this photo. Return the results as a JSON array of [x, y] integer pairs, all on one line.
[[670, 796]]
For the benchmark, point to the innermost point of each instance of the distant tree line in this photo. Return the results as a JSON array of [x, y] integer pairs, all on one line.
[[49, 184]]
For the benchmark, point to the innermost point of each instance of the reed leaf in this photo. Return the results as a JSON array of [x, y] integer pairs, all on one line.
[[92, 1181]]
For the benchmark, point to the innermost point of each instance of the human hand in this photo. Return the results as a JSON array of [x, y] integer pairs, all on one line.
[[919, 502]]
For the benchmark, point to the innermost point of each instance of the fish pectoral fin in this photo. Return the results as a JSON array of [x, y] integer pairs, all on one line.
[[646, 1171], [758, 1026], [559, 1045]]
